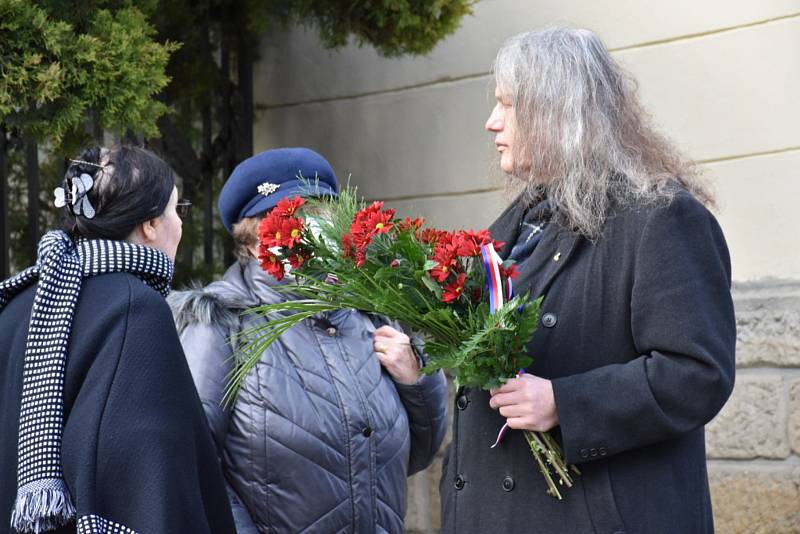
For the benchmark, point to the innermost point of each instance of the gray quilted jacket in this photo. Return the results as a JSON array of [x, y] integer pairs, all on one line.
[[320, 438]]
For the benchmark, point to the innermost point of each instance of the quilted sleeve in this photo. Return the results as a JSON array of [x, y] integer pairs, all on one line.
[[426, 405], [209, 356]]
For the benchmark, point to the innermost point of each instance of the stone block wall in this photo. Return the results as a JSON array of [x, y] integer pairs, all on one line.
[[754, 443]]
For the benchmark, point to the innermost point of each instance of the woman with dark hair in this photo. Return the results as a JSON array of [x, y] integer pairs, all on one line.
[[101, 429]]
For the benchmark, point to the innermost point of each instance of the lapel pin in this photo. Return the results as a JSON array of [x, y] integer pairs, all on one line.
[[557, 256]]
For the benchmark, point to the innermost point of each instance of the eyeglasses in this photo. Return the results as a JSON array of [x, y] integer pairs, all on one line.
[[183, 207]]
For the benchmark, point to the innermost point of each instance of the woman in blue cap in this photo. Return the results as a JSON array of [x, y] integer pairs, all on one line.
[[335, 416]]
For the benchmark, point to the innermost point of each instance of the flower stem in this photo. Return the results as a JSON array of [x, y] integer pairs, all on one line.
[[546, 452]]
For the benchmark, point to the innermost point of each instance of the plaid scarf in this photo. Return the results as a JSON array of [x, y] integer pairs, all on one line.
[[43, 500], [532, 228]]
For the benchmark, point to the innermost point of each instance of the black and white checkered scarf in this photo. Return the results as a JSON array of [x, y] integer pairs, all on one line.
[[43, 500]]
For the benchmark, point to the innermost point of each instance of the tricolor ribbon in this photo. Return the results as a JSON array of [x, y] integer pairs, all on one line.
[[492, 263], [505, 427]]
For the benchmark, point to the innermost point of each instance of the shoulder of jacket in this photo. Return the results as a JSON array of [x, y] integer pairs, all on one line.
[[119, 290], [680, 204], [205, 306]]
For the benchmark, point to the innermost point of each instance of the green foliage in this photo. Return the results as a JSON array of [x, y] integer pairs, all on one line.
[[480, 349], [393, 27], [70, 71], [54, 73]]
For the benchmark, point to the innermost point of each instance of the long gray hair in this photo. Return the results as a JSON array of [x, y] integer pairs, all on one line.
[[581, 136]]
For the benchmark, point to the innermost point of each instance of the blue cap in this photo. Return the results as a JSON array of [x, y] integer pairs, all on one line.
[[259, 182]]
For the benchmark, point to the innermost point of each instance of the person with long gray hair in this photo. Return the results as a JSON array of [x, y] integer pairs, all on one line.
[[636, 345]]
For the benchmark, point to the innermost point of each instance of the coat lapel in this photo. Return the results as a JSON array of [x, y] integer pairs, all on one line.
[[549, 257], [507, 226]]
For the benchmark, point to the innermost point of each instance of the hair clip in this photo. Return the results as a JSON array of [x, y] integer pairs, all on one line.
[[76, 195], [267, 188], [82, 162]]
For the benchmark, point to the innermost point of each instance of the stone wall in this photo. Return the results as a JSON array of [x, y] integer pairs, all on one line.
[[754, 443]]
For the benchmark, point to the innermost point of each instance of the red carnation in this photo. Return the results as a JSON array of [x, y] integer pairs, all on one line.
[[454, 290]]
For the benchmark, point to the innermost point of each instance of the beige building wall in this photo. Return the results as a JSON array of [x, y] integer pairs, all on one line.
[[721, 78]]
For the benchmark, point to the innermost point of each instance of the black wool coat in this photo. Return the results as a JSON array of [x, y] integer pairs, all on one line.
[[638, 337], [136, 448]]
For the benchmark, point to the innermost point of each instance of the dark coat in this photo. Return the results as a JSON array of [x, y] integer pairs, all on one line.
[[136, 447], [638, 337]]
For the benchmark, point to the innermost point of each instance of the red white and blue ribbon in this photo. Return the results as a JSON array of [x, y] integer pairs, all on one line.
[[498, 294]]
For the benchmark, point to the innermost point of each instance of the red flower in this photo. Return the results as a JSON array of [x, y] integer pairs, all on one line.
[[395, 263], [430, 236], [277, 231], [469, 242], [443, 269], [298, 260], [511, 272], [366, 224], [454, 290], [411, 225], [347, 245], [444, 254], [287, 207], [271, 263], [372, 220]]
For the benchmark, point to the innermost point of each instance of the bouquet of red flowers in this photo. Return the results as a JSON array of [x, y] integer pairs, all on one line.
[[451, 288]]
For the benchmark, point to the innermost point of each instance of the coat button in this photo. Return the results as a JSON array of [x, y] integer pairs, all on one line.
[[549, 320], [331, 330], [602, 451], [459, 482], [508, 484], [462, 402], [366, 431], [592, 452], [583, 453]]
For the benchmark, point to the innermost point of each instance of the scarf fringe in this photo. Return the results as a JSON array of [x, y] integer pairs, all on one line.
[[42, 509]]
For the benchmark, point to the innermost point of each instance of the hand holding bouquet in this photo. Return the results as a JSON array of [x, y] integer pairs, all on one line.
[[449, 287]]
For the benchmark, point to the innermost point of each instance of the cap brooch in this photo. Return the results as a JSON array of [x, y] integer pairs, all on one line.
[[267, 188]]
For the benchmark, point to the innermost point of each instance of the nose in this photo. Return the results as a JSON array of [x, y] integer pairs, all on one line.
[[495, 121]]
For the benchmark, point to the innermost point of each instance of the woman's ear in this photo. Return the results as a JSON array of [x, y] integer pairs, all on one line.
[[145, 233], [150, 229]]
